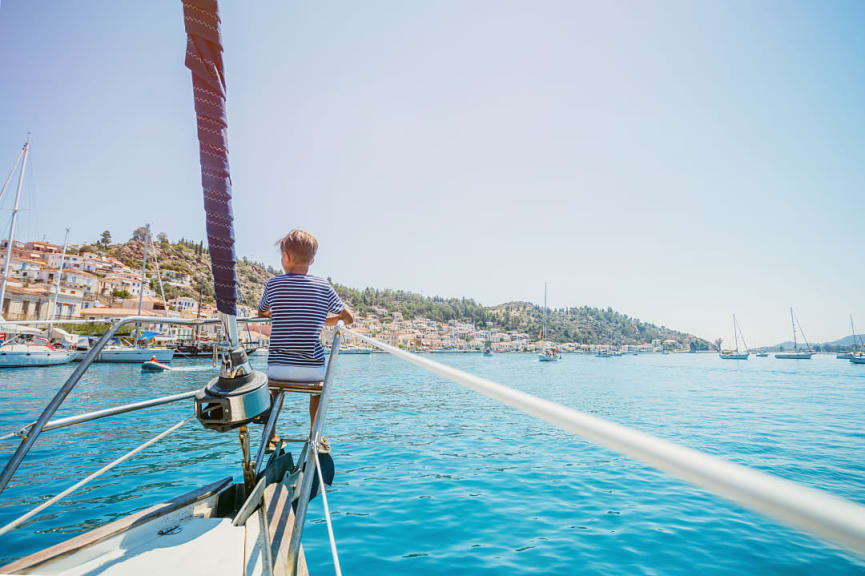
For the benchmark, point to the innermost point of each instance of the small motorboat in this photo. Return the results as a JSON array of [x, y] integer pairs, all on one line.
[[153, 365], [858, 358]]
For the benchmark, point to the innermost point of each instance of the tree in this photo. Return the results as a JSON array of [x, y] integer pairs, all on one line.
[[162, 238], [105, 239], [139, 233], [718, 343]]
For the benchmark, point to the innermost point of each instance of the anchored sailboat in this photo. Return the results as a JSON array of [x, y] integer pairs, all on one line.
[[735, 354], [548, 353], [852, 353], [796, 354]]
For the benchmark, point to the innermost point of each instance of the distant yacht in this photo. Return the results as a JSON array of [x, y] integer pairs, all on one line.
[[855, 351], [796, 354], [549, 353], [20, 352], [735, 354]]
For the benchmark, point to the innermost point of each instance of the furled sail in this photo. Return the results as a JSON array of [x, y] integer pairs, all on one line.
[[204, 59]]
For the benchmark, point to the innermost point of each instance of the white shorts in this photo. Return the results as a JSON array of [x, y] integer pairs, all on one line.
[[296, 373]]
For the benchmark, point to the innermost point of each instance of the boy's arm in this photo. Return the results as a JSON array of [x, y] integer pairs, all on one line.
[[346, 316], [264, 310]]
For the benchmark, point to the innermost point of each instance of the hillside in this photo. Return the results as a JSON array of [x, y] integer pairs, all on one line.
[[583, 325], [187, 258]]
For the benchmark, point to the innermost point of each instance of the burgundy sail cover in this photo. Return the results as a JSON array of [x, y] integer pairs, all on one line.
[[204, 59]]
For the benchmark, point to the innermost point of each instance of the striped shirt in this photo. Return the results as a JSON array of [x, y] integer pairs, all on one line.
[[299, 304]]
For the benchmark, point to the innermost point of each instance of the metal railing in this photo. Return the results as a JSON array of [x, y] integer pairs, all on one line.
[[310, 461], [24, 431], [810, 510], [37, 427]]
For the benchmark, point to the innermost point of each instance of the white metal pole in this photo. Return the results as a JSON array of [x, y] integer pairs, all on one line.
[[141, 287], [57, 284], [11, 172], [24, 152]]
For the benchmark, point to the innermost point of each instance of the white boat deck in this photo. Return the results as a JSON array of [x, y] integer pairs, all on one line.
[[192, 546]]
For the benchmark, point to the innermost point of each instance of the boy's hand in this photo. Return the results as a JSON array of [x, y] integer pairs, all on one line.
[[265, 314], [346, 316]]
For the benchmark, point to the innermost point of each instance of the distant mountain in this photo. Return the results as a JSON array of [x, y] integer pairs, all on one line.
[[584, 325], [833, 346]]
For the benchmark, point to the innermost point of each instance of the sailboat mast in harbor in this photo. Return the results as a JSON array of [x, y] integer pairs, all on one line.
[[796, 354], [141, 288], [22, 158], [544, 324], [547, 354], [735, 354], [855, 350], [53, 307]]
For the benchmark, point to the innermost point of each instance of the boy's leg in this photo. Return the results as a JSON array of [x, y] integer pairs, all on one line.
[[273, 436], [313, 410]]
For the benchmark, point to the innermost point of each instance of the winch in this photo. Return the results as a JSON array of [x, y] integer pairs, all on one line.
[[239, 394]]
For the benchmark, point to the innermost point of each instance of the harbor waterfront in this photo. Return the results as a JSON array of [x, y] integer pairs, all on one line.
[[431, 477]]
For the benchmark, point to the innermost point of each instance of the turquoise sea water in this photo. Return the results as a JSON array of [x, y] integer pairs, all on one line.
[[434, 478]]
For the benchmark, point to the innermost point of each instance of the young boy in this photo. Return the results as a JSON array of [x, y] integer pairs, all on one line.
[[299, 305]]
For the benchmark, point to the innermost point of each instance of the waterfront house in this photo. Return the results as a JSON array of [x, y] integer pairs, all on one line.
[[23, 267], [34, 302], [183, 304], [45, 247]]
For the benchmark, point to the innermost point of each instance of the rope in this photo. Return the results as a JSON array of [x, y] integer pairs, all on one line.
[[813, 511], [333, 551], [17, 522]]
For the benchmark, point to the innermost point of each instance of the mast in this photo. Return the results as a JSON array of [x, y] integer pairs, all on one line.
[[855, 339], [197, 315], [793, 322], [735, 334], [742, 334], [141, 289], [23, 158], [57, 284], [544, 328], [802, 332]]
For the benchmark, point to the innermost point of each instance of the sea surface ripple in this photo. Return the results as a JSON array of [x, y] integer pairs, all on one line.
[[433, 478]]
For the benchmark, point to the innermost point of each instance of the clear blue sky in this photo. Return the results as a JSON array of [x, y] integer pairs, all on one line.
[[678, 161]]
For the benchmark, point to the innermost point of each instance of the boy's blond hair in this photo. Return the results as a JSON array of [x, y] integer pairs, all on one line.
[[300, 244]]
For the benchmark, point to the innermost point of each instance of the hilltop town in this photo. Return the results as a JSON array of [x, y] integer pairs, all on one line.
[[102, 281]]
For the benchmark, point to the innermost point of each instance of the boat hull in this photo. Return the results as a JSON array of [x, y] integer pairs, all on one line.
[[35, 359], [845, 356], [547, 358], [794, 355], [151, 366], [733, 356], [858, 359], [135, 355]]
